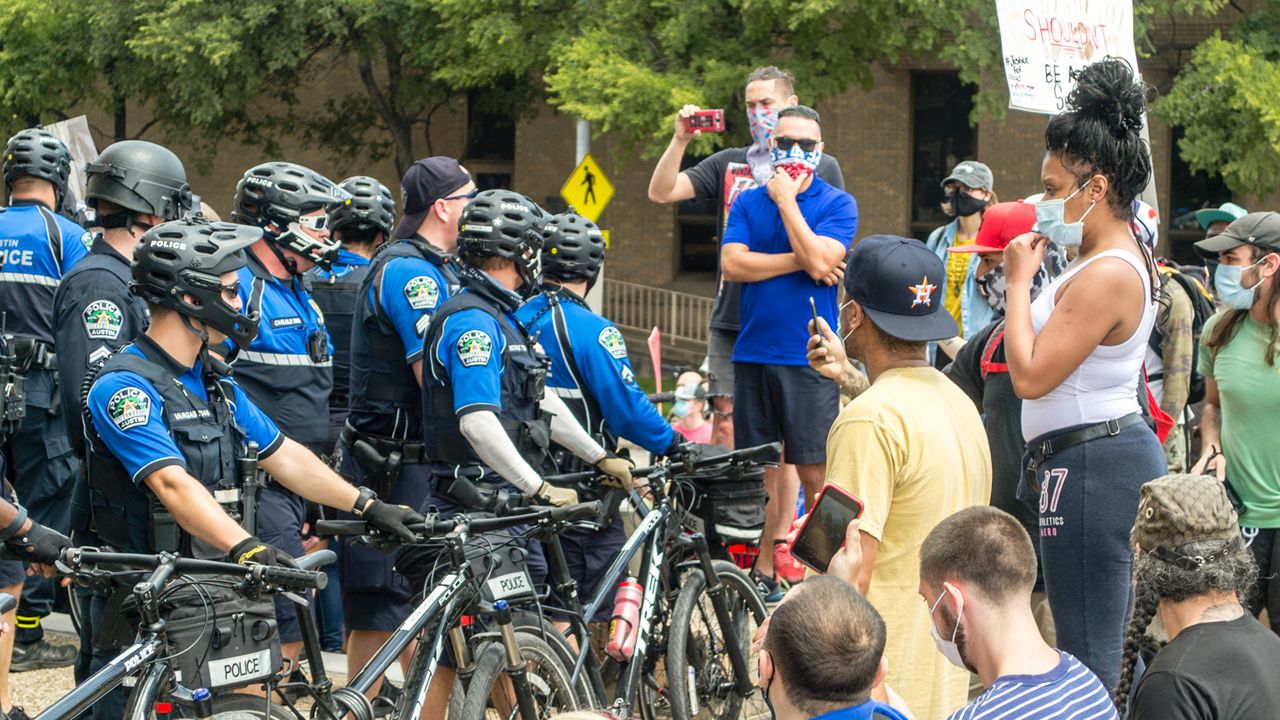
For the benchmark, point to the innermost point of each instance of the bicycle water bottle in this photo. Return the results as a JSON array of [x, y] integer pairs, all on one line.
[[624, 628]]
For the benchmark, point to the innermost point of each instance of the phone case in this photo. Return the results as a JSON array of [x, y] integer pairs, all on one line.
[[706, 121], [805, 521]]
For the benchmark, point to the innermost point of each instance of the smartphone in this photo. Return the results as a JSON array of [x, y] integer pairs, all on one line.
[[823, 529], [706, 121], [817, 326]]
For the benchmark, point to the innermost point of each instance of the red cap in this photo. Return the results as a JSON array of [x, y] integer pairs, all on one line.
[[1000, 225]]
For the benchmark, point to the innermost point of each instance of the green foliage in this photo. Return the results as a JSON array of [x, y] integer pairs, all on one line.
[[1225, 100]]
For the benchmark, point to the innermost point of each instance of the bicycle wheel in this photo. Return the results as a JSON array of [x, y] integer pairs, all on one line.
[[234, 706], [416, 675], [544, 629], [489, 694], [696, 648]]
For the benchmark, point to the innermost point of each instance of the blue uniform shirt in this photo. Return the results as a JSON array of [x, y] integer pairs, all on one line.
[[775, 313], [600, 355], [470, 348], [347, 261], [408, 292], [137, 434], [31, 272]]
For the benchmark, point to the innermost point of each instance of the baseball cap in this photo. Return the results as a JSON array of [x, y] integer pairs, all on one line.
[[1178, 509], [1226, 212], [898, 282], [425, 182], [1260, 228], [971, 173], [1001, 223]]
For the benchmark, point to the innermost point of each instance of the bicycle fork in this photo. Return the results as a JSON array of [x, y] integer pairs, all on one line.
[[718, 593], [515, 662]]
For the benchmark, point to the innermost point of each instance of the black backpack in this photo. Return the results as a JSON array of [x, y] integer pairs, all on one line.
[[1202, 306]]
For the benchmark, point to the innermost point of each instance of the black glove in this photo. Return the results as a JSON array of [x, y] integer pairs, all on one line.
[[39, 544], [253, 550], [678, 448], [393, 519]]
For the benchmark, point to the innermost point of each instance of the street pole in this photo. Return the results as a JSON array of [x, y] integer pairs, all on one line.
[[582, 146]]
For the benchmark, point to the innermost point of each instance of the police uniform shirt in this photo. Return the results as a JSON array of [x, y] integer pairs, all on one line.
[[346, 263], [469, 349], [409, 290], [277, 369], [128, 414], [603, 373], [31, 270]]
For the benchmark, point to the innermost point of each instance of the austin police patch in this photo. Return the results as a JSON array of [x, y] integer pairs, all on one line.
[[102, 320], [612, 341], [422, 292], [129, 407], [87, 240], [474, 348]]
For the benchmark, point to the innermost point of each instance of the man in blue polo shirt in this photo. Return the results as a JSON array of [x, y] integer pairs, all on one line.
[[785, 242]]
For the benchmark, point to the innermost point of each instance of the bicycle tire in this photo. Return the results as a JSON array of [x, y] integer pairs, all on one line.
[[544, 629], [413, 677], [695, 636], [236, 706], [547, 676]]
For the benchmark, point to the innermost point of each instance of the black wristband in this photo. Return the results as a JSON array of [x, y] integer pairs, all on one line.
[[362, 501], [11, 530]]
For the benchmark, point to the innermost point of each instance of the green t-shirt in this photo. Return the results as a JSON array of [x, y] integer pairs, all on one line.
[[1249, 393]]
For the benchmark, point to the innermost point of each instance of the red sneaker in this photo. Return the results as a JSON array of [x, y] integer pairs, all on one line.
[[787, 568]]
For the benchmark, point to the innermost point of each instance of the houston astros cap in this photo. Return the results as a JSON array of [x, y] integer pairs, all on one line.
[[898, 282]]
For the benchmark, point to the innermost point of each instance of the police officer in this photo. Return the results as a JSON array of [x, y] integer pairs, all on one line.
[[591, 373], [288, 367], [484, 411], [38, 247], [159, 450], [381, 444]]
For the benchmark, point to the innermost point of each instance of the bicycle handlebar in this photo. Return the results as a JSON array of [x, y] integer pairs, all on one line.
[[438, 528], [750, 453], [74, 559]]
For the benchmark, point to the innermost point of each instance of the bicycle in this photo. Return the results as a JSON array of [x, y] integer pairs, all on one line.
[[151, 660]]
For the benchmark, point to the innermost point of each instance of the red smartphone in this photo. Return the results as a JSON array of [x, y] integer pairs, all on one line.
[[706, 121], [823, 530]]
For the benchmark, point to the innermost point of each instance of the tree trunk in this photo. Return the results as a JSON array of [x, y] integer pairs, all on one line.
[[402, 137]]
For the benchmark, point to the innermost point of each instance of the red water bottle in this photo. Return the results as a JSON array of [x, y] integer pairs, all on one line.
[[624, 628]]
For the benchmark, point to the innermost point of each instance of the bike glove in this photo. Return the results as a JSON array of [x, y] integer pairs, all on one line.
[[393, 519], [557, 496], [253, 550], [619, 469], [40, 544]]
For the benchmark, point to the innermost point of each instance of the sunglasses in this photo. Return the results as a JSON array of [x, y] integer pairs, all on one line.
[[313, 222], [230, 292], [785, 144], [466, 196]]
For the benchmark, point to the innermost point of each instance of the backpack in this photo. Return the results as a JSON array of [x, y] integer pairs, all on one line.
[[1202, 310]]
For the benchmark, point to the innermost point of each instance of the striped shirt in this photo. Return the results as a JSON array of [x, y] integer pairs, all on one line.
[[1068, 692]]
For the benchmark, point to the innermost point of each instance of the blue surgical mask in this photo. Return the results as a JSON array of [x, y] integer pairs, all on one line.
[[681, 408], [1229, 288], [1051, 223]]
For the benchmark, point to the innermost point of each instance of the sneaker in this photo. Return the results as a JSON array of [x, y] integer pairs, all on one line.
[[768, 589], [41, 655], [789, 570]]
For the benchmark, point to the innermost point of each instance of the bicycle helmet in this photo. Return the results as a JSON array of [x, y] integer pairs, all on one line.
[[505, 224], [574, 248], [275, 195], [371, 207], [140, 177], [40, 154]]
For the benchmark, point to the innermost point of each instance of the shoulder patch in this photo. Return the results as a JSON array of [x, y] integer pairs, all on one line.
[[628, 377], [474, 348], [422, 292], [102, 320], [129, 407], [422, 324], [612, 341], [87, 240]]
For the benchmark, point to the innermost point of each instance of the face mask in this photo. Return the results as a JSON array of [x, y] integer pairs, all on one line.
[[1229, 289], [840, 331], [761, 121], [764, 693], [796, 161], [1050, 221], [949, 649], [963, 204], [681, 408]]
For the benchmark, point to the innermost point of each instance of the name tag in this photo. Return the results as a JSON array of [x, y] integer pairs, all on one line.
[[510, 585], [286, 322], [239, 669]]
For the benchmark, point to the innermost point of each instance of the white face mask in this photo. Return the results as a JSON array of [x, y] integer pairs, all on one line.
[[949, 649], [1051, 221], [839, 314]]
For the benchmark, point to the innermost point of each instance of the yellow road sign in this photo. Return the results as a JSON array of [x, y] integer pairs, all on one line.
[[587, 190]]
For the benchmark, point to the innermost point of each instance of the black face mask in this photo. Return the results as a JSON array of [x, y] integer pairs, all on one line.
[[963, 204]]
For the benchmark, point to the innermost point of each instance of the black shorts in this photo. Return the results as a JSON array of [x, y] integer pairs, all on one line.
[[791, 403]]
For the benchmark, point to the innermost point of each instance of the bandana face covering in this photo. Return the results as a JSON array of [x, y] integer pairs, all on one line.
[[761, 121], [796, 161]]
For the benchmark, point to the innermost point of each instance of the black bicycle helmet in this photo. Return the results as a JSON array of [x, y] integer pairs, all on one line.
[[189, 257], [371, 207], [39, 154], [505, 224], [274, 195], [141, 177], [574, 248]]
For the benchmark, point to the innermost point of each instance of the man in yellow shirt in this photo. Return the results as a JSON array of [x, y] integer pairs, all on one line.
[[911, 447]]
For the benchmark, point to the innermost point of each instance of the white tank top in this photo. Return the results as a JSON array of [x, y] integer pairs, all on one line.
[[1105, 385]]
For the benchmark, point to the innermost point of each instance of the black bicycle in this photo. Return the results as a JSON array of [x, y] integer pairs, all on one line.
[[182, 669]]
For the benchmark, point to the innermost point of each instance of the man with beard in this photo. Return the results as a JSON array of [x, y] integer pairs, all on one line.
[[911, 447]]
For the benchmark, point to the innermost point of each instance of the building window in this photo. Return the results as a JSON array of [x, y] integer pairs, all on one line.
[[491, 131], [1190, 191], [941, 137]]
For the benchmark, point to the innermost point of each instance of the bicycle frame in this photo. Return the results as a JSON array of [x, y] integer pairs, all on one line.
[[105, 680]]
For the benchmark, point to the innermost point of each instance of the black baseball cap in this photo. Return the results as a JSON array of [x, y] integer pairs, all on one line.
[[899, 282], [1260, 228], [425, 182]]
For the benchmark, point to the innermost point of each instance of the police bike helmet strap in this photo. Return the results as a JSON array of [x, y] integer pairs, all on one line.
[[140, 177], [37, 153], [188, 258], [574, 248], [275, 195], [371, 207], [505, 224]]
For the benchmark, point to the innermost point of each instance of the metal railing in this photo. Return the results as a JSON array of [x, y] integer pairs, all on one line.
[[679, 317]]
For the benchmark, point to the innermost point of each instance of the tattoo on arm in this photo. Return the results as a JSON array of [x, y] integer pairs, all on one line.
[[853, 383]]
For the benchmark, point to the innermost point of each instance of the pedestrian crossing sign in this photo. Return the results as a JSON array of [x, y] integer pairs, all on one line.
[[587, 191]]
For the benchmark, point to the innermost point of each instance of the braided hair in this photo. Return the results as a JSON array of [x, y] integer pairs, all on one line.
[[1145, 603]]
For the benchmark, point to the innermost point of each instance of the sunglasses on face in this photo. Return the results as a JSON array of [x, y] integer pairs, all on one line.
[[231, 291], [314, 223], [465, 196], [785, 144]]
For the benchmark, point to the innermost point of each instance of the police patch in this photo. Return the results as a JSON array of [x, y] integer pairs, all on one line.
[[87, 240], [129, 407], [474, 348], [612, 341], [422, 292], [628, 377], [102, 320]]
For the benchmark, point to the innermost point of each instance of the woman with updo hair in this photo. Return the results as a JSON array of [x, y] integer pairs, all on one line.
[[1075, 358]]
